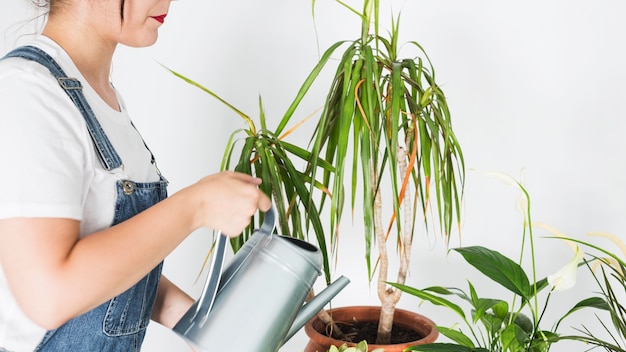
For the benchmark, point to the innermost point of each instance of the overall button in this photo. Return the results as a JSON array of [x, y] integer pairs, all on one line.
[[128, 187]]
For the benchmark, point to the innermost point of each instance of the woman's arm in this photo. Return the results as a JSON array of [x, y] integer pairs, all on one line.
[[55, 276], [171, 304]]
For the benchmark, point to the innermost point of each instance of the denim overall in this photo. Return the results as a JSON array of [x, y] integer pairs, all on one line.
[[118, 325]]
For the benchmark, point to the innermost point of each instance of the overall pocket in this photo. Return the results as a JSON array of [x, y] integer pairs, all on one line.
[[130, 312]]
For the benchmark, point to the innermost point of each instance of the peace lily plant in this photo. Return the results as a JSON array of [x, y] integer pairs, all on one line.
[[494, 324], [609, 273]]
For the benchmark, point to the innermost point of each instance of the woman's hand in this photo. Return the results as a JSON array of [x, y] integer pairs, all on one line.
[[226, 201]]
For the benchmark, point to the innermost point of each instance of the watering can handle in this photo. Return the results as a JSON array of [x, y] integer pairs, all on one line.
[[209, 292], [205, 303], [269, 222]]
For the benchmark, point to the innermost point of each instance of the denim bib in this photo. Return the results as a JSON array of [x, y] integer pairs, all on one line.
[[118, 325]]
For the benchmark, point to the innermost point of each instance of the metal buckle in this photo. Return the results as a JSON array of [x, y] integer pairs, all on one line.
[[69, 83]]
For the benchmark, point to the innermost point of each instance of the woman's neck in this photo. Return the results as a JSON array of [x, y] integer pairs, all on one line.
[[91, 54]]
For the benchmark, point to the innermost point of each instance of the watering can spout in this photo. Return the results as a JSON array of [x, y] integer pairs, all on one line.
[[316, 304]]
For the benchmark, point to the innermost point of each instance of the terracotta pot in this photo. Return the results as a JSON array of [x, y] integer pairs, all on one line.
[[319, 342]]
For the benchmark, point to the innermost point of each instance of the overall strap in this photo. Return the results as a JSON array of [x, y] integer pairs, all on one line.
[[108, 156]]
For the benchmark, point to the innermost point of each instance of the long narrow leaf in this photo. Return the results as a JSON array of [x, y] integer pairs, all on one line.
[[436, 300], [456, 336]]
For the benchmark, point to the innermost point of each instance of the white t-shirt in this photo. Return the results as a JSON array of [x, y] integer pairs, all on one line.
[[49, 167]]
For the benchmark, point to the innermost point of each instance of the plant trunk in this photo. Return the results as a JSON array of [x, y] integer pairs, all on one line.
[[389, 296], [385, 322], [331, 328]]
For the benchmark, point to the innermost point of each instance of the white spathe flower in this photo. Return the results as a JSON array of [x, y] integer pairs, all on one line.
[[609, 260], [565, 278], [523, 201]]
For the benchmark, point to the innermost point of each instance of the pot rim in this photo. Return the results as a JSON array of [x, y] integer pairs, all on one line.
[[429, 337]]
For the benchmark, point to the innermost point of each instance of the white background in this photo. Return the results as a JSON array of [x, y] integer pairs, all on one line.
[[534, 87]]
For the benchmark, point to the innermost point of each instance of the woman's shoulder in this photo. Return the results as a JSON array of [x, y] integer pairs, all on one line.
[[31, 96], [25, 84], [21, 75], [18, 67]]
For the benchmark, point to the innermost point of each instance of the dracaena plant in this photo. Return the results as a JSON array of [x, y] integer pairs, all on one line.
[[386, 129], [495, 324], [265, 153], [395, 117]]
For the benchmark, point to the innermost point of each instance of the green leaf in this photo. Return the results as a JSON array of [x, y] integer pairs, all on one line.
[[440, 301], [501, 310], [541, 284], [306, 86], [498, 268], [513, 338], [591, 302], [523, 322], [305, 155], [482, 305], [492, 323], [447, 347], [214, 95], [362, 346], [440, 290], [456, 336]]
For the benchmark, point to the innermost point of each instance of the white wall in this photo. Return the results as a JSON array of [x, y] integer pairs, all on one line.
[[534, 85]]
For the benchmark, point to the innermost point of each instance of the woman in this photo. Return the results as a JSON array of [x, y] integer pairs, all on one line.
[[84, 219]]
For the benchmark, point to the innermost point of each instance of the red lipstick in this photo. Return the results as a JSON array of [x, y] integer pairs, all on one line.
[[160, 18]]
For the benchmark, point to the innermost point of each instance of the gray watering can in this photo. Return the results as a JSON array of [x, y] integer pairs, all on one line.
[[256, 304]]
